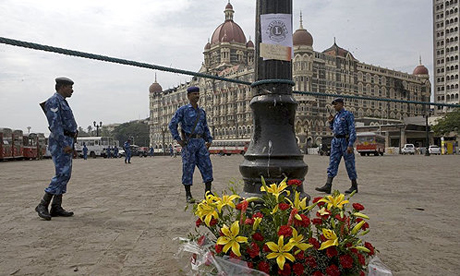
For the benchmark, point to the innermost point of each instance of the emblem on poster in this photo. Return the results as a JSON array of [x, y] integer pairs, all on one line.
[[276, 36]]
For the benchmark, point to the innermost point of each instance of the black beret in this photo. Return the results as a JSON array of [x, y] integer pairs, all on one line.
[[193, 89], [64, 80], [337, 100]]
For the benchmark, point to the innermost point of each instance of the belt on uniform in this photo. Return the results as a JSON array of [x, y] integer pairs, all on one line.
[[195, 135], [341, 136]]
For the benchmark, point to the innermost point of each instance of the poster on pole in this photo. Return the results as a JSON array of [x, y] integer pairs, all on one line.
[[276, 29]]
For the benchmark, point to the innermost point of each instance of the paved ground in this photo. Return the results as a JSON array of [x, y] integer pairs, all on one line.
[[127, 215]]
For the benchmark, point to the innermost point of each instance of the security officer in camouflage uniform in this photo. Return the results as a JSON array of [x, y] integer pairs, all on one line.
[[343, 127], [195, 140], [61, 144]]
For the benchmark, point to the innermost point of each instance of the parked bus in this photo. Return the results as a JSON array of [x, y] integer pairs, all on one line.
[[30, 142], [228, 147], [95, 145], [18, 144], [41, 145], [6, 143], [370, 142]]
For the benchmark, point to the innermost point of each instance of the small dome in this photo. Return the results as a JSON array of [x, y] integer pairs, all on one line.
[[302, 37], [420, 70], [207, 46], [250, 44], [155, 87]]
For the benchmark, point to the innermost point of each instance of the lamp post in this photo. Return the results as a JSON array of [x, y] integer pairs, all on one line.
[[273, 152], [427, 130], [97, 126], [163, 131]]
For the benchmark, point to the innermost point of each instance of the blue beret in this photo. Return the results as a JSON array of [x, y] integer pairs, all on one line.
[[193, 89], [337, 100], [64, 80]]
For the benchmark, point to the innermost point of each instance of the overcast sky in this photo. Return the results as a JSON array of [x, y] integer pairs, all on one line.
[[389, 33]]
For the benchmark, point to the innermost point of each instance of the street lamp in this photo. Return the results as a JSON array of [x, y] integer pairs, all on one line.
[[97, 126], [427, 114]]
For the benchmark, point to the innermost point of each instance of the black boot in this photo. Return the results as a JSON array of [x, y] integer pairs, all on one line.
[[327, 187], [207, 188], [56, 208], [188, 194], [42, 208], [354, 187]]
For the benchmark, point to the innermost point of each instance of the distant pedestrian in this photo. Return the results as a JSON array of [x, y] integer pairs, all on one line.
[[62, 138], [171, 151], [127, 148], [109, 154], [343, 127], [195, 140], [151, 151], [115, 151], [85, 151]]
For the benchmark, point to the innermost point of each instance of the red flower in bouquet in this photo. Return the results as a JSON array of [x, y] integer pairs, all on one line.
[[358, 207], [311, 261], [285, 231], [369, 246], [317, 273], [253, 250], [264, 267], [298, 269], [331, 252], [286, 270], [333, 270], [257, 236], [294, 182], [283, 206], [314, 242], [305, 222], [346, 261]]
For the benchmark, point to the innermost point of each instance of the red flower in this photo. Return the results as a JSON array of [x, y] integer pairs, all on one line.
[[253, 250], [361, 273], [305, 222], [317, 221], [250, 265], [346, 261], [264, 267], [283, 206], [311, 262], [294, 182], [300, 256], [316, 199], [286, 270], [266, 248], [249, 221], [198, 222], [218, 248], [361, 259], [369, 246], [337, 217], [243, 206], [314, 242], [358, 207], [331, 251], [317, 273], [258, 237], [298, 269], [213, 222], [285, 231], [233, 256], [365, 226], [258, 215], [333, 270]]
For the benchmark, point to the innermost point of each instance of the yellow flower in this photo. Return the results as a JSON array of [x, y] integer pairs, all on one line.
[[334, 201], [331, 237], [256, 223], [280, 252], [206, 209], [323, 211], [298, 204], [275, 190], [231, 238], [297, 240], [226, 200]]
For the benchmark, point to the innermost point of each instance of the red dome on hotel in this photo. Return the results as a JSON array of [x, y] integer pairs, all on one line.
[[420, 70], [228, 31]]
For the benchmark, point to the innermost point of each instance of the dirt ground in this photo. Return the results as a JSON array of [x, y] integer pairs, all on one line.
[[126, 216]]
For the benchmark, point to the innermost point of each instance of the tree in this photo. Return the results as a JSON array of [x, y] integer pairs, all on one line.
[[137, 131], [449, 123]]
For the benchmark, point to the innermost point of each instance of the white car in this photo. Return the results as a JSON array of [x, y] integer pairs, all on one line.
[[408, 149], [433, 149]]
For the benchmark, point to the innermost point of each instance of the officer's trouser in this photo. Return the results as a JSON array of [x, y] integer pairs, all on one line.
[[339, 149], [194, 154], [63, 166]]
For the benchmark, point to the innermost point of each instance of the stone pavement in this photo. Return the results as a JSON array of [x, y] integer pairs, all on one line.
[[126, 216]]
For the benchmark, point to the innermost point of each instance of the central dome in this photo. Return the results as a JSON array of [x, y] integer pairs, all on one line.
[[228, 31]]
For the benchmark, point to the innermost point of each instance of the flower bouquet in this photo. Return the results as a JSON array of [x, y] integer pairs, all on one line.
[[279, 234]]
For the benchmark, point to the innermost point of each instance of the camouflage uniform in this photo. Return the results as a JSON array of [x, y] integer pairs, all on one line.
[[61, 123], [343, 125], [195, 152]]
